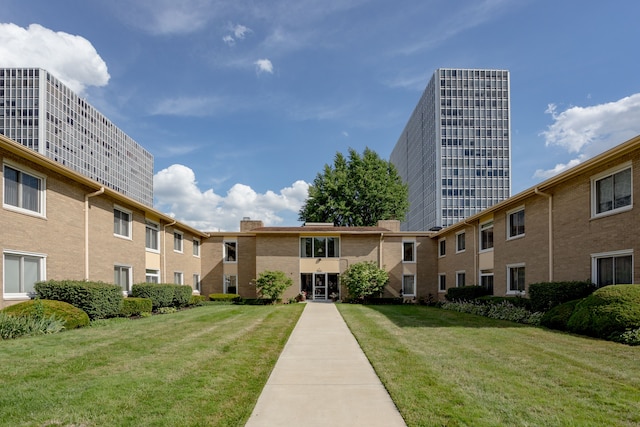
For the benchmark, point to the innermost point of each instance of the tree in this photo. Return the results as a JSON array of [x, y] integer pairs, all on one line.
[[358, 191], [364, 279], [271, 284]]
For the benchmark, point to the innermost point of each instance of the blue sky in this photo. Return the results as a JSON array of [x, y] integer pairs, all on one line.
[[242, 103]]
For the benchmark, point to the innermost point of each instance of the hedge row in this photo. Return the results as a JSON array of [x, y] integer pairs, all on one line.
[[133, 306], [163, 294], [545, 296], [465, 293], [99, 300]]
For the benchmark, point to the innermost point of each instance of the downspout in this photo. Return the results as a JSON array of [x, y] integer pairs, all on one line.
[[164, 252], [550, 250], [86, 230], [380, 250]]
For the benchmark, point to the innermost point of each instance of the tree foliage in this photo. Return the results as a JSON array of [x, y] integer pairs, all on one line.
[[358, 191], [271, 284], [364, 279]]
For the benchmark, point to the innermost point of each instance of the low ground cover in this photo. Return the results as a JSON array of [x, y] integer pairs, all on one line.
[[456, 369], [203, 366]]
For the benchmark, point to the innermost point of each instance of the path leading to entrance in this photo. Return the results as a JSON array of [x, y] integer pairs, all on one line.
[[323, 378]]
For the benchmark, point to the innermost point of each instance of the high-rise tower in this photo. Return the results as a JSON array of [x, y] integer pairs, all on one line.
[[455, 150]]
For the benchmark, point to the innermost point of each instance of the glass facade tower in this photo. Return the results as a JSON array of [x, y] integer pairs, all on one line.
[[40, 112], [455, 151]]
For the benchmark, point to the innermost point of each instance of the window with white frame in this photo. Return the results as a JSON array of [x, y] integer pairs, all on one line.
[[408, 285], [178, 241], [612, 268], [151, 238], [409, 251], [230, 251], [21, 271], [442, 247], [611, 191], [196, 282], [122, 277], [230, 284], [486, 280], [486, 236], [196, 247], [121, 222], [152, 276], [24, 191], [442, 282], [515, 279], [178, 278], [515, 223], [461, 278], [461, 243], [320, 247]]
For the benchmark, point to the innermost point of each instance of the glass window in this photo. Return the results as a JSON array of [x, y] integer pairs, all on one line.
[[333, 247], [122, 277], [152, 234], [408, 285], [486, 281], [612, 192], [23, 190], [306, 247], [515, 224], [178, 278], [461, 242], [196, 247], [178, 243], [408, 251], [486, 236], [230, 284], [442, 247], [319, 247], [515, 278], [21, 272], [230, 252], [442, 283], [461, 278], [613, 269], [152, 276], [121, 223], [196, 282]]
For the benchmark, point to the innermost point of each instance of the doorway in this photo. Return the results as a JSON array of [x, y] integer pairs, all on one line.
[[320, 286]]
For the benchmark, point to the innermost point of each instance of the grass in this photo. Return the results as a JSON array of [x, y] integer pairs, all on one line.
[[204, 366], [444, 368]]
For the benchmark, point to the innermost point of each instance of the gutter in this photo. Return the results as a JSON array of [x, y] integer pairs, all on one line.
[[550, 250], [86, 230]]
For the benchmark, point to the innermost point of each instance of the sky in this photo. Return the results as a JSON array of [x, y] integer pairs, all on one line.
[[243, 102]]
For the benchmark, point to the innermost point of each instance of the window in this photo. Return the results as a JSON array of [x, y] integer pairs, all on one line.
[[122, 277], [408, 251], [196, 247], [515, 278], [515, 223], [121, 223], [21, 272], [611, 191], [196, 282], [442, 247], [178, 278], [408, 285], [230, 284], [319, 247], [486, 281], [178, 241], [442, 283], [486, 236], [152, 276], [230, 251], [461, 242], [23, 191], [614, 268], [152, 234], [461, 277]]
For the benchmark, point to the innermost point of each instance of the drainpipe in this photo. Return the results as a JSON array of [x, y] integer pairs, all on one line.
[[550, 250], [164, 252], [86, 230], [380, 250]]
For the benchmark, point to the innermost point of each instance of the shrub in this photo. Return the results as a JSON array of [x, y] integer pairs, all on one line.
[[72, 317], [547, 295], [630, 337], [465, 293], [558, 316], [503, 311], [197, 300], [223, 297], [516, 301], [382, 301], [271, 284], [160, 294], [608, 312], [182, 295], [35, 323], [133, 306], [99, 300], [364, 279]]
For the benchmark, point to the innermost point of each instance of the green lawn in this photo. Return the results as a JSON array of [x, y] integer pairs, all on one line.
[[444, 368], [204, 366]]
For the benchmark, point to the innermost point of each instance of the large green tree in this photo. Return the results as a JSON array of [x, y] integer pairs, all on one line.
[[356, 191]]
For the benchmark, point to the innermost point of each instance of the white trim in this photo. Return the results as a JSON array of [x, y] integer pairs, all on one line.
[[43, 272], [605, 174], [458, 285], [129, 223], [445, 282], [440, 252], [612, 254], [224, 251], [196, 243], [414, 285], [458, 250], [152, 225], [509, 267], [481, 227], [42, 193], [508, 221], [178, 275], [181, 234], [413, 242], [129, 269]]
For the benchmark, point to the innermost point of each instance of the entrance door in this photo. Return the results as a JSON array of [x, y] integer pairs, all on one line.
[[320, 286]]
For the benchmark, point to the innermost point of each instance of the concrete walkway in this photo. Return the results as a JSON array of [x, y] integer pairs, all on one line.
[[323, 378]]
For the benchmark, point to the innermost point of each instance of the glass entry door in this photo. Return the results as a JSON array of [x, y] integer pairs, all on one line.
[[320, 286]]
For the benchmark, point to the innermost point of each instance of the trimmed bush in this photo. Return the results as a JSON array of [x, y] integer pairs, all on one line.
[[133, 306], [223, 297], [558, 316], [196, 300], [547, 295], [465, 293], [160, 294], [72, 317], [608, 312], [99, 300], [381, 301], [182, 295]]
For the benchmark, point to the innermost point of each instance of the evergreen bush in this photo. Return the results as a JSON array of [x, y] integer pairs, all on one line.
[[465, 293], [72, 317], [160, 294], [558, 316], [547, 295], [133, 306], [99, 300]]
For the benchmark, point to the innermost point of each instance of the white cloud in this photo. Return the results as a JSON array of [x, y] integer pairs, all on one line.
[[240, 31], [176, 192], [229, 40], [70, 58], [264, 65], [185, 106], [167, 17], [588, 131]]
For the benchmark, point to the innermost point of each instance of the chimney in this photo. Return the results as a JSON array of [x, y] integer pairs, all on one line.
[[389, 224], [247, 224]]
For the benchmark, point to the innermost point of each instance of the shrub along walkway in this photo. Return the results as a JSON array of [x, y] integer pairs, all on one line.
[[323, 378]]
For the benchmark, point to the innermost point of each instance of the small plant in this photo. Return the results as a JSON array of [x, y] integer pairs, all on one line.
[[364, 279], [503, 311], [271, 284], [21, 326], [167, 310], [630, 337]]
